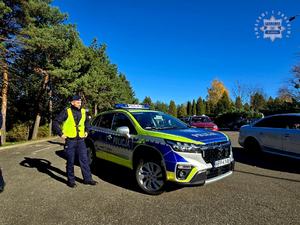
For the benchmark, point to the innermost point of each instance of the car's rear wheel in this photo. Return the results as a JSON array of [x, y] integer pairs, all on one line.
[[150, 176], [251, 144]]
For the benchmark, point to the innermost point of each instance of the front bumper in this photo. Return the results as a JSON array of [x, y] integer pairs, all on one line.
[[210, 175]]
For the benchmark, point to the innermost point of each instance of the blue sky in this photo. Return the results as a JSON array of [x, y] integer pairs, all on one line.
[[173, 49]]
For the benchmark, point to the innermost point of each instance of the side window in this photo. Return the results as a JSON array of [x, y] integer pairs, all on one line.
[[293, 122], [272, 122], [96, 121], [106, 120], [121, 120]]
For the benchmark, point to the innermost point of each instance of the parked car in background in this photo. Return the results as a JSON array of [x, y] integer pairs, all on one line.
[[203, 121], [231, 121], [277, 134]]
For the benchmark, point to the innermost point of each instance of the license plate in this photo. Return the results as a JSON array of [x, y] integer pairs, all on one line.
[[221, 162]]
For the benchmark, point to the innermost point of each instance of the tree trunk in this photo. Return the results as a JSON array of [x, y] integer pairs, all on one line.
[[38, 106], [95, 110], [4, 102], [50, 111]]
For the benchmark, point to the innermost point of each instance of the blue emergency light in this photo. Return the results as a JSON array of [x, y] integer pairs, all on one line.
[[131, 106]]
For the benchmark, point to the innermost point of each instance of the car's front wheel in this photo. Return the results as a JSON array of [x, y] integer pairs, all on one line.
[[150, 176], [91, 155]]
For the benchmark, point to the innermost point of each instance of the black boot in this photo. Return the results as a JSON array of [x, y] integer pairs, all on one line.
[[2, 183]]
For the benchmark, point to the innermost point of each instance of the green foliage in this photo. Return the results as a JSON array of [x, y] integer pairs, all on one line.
[[19, 132], [148, 101], [43, 131], [194, 109], [160, 106], [181, 111], [189, 108], [223, 104], [257, 102], [172, 108], [46, 46], [200, 106]]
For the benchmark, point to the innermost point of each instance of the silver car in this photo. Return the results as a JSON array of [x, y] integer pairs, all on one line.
[[276, 134]]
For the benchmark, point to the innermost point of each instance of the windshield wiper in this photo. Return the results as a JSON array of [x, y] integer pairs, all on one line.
[[167, 128], [151, 128]]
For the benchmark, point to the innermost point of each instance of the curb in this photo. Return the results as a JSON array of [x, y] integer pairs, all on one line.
[[28, 143]]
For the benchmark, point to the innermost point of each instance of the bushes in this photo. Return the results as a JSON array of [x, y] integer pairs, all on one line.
[[234, 120], [43, 131], [21, 132]]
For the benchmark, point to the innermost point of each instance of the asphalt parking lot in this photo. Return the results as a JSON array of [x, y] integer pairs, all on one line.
[[263, 190]]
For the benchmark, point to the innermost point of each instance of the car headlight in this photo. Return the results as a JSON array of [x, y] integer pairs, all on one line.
[[185, 147]]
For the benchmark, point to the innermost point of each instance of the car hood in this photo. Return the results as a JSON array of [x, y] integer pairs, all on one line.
[[199, 135]]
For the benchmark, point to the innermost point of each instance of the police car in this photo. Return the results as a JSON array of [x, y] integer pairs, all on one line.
[[159, 148]]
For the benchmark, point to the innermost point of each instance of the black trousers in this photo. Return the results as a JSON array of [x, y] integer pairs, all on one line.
[[78, 147]]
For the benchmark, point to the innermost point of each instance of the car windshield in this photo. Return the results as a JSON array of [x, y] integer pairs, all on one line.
[[158, 121], [202, 119]]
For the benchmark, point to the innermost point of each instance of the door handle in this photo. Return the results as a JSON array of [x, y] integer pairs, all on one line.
[[109, 137], [286, 135]]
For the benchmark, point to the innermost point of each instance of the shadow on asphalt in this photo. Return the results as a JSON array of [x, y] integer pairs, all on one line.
[[117, 175], [266, 161], [44, 166], [56, 143]]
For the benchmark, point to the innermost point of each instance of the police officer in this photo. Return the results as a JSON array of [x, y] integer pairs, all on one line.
[[75, 125]]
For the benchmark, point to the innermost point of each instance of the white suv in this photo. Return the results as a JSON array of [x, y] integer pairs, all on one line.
[[276, 134]]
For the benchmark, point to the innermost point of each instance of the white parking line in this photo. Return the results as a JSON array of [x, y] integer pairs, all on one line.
[[43, 149]]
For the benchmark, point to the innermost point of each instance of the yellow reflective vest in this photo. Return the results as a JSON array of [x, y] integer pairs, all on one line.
[[69, 128]]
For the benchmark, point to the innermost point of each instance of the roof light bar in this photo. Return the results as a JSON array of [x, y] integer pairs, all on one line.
[[131, 106]]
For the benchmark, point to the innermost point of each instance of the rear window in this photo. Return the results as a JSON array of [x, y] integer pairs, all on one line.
[[202, 119]]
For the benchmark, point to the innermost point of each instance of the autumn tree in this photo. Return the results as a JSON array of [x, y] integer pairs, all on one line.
[[215, 93]]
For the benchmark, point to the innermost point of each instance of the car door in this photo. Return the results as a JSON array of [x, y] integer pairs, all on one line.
[[269, 132], [102, 133], [122, 145], [291, 136]]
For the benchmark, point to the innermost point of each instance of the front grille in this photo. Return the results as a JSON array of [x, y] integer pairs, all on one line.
[[214, 172], [216, 152]]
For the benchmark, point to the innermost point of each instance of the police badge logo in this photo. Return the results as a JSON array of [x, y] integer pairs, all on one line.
[[272, 25]]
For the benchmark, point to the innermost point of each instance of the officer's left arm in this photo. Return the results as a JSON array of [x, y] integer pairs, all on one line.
[[87, 124]]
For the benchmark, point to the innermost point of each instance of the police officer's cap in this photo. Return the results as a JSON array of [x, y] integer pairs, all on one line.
[[76, 98]]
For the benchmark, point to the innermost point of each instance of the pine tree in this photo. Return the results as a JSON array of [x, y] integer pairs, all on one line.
[[172, 108], [194, 109], [148, 101], [189, 108], [223, 104], [181, 111]]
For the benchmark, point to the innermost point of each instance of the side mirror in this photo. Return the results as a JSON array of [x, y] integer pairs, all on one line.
[[124, 131]]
